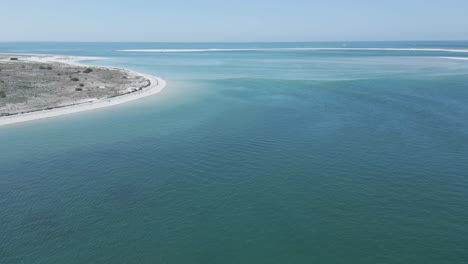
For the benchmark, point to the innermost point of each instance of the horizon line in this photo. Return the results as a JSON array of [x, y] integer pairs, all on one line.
[[313, 41]]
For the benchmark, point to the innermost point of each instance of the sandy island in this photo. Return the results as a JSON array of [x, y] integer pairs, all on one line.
[[34, 86]]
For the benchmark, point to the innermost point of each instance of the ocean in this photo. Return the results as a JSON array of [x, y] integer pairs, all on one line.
[[254, 153]]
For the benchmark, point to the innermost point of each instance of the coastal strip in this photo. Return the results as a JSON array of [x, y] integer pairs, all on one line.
[[294, 49], [153, 86]]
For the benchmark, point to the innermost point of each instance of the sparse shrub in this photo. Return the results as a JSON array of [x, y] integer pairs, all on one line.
[[79, 89], [25, 86], [14, 59], [42, 67], [49, 68], [2, 94], [75, 79], [81, 84], [88, 70]]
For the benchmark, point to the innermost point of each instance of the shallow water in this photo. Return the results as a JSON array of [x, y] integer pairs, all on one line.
[[336, 156]]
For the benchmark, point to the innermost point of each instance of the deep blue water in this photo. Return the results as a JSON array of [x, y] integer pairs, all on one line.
[[272, 156]]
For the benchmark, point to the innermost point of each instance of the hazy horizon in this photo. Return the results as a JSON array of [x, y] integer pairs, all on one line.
[[234, 42], [242, 21]]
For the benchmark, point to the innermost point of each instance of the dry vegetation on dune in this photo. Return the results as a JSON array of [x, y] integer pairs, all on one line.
[[27, 86]]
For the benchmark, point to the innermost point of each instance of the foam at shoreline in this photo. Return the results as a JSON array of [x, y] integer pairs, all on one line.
[[295, 49], [454, 58]]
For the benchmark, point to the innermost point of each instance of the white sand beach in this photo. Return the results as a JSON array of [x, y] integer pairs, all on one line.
[[156, 86], [295, 49]]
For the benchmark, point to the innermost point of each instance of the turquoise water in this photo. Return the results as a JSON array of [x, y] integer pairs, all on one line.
[[267, 156]]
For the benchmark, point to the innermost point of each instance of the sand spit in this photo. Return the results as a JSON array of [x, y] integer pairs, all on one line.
[[37, 86], [295, 49]]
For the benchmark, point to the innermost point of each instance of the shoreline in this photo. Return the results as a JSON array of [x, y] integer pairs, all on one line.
[[156, 85], [454, 50]]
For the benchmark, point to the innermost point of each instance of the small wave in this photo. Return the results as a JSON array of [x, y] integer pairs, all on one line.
[[295, 49], [455, 58]]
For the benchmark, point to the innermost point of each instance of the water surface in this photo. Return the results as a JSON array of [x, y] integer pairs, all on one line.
[[334, 156]]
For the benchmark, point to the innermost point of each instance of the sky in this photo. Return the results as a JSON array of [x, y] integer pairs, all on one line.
[[233, 21]]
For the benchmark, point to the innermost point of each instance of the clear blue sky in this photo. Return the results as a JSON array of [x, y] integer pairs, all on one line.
[[236, 20]]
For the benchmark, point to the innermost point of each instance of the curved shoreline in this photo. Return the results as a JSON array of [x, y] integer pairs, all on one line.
[[156, 85]]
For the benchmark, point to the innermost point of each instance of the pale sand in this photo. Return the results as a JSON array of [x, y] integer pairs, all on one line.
[[156, 86], [296, 49]]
